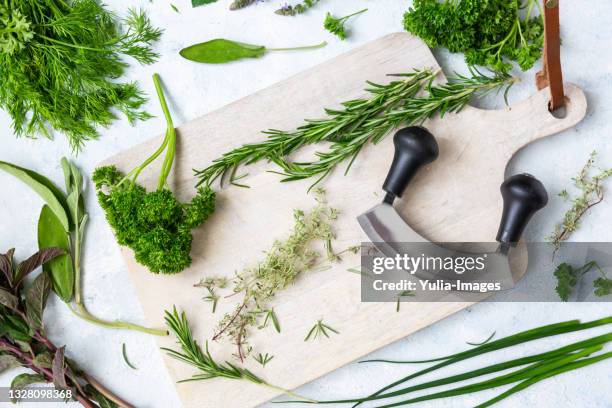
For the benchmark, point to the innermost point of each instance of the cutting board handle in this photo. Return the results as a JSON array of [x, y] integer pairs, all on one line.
[[414, 148]]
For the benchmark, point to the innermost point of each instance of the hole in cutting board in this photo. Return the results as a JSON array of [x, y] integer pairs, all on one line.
[[560, 113]]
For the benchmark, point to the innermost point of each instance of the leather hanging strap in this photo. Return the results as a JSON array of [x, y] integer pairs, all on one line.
[[551, 75]]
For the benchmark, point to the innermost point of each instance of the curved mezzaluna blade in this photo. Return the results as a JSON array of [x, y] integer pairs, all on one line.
[[387, 231]]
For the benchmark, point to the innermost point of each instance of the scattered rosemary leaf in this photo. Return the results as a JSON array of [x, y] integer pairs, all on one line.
[[125, 357], [591, 194], [263, 359], [174, 8], [484, 342], [320, 329], [400, 296], [283, 264]]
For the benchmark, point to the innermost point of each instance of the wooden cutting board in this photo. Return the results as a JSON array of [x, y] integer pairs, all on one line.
[[455, 199]]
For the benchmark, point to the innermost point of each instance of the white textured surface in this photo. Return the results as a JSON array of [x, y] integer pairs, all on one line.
[[195, 89]]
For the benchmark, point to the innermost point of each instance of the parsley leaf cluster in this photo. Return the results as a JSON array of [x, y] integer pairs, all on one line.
[[492, 33]]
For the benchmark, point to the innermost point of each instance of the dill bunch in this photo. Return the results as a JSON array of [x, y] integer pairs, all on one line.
[[60, 65], [285, 261]]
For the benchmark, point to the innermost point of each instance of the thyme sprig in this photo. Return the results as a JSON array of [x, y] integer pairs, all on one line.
[[191, 353], [283, 264], [358, 123], [294, 10], [591, 194]]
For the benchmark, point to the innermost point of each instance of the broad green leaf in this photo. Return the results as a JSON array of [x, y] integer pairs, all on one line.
[[16, 328], [7, 362], [36, 299], [220, 51], [196, 3], [61, 271], [44, 188], [23, 380], [8, 299]]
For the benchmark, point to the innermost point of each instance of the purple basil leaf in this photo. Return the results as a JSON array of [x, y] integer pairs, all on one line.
[[35, 261], [59, 370]]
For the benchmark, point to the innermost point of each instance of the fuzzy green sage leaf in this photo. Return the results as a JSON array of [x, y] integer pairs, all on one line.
[[61, 270], [44, 188], [220, 51]]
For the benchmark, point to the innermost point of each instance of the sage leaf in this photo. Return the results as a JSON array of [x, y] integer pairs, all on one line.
[[60, 270], [220, 51], [8, 299], [35, 261], [44, 188], [36, 298], [7, 362], [197, 3], [23, 380], [58, 368]]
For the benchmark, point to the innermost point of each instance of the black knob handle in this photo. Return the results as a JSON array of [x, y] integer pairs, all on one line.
[[414, 148], [523, 196]]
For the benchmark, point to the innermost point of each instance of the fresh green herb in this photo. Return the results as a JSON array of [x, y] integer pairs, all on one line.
[[22, 334], [60, 62], [288, 10], [263, 359], [283, 264], [591, 194], [482, 342], [270, 316], [197, 3], [209, 284], [155, 225], [320, 329], [336, 25], [174, 8], [238, 4], [208, 368], [405, 293], [358, 123], [490, 33], [568, 277], [220, 51], [61, 224], [125, 357], [538, 366]]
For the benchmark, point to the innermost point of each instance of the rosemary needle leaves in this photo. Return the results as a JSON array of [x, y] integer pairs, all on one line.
[[319, 330], [61, 64], [263, 359], [191, 353], [358, 123], [283, 264]]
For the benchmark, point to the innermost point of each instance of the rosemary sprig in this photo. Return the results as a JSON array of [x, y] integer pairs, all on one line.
[[320, 329], [263, 359], [271, 317], [192, 354], [591, 194], [358, 123]]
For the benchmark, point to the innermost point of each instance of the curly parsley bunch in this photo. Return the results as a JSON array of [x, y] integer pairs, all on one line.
[[155, 225], [490, 33]]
